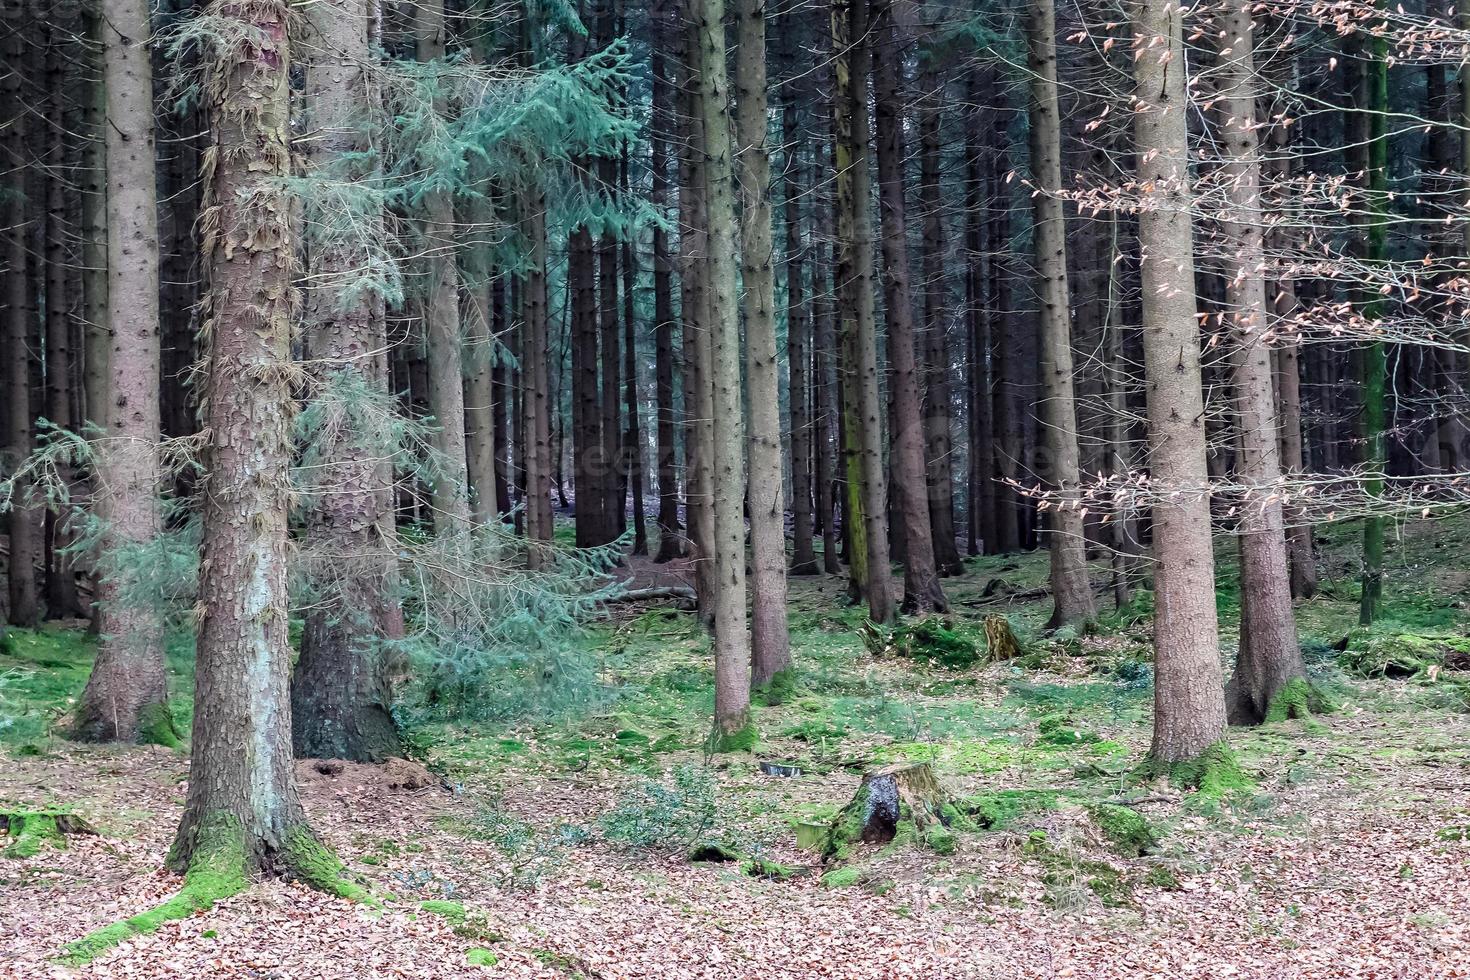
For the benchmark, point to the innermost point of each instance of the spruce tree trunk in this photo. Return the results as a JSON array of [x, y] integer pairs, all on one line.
[[633, 438], [770, 641], [62, 599], [922, 591], [127, 687], [671, 541], [1189, 699], [587, 446], [935, 346], [867, 496], [824, 384], [340, 689], [695, 312], [442, 340], [798, 342], [96, 339], [240, 778], [1066, 539], [534, 431], [733, 728], [23, 520], [1269, 655], [981, 492], [1004, 343]]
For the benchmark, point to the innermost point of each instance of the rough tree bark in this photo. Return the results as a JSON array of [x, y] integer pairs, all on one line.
[[340, 689], [733, 728], [770, 640], [1066, 538], [922, 591], [125, 697], [242, 807], [1189, 699]]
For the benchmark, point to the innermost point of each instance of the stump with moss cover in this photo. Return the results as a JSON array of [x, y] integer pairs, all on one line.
[[899, 799], [31, 830], [218, 869], [1000, 639], [932, 640], [1127, 831], [1375, 652], [1215, 772]]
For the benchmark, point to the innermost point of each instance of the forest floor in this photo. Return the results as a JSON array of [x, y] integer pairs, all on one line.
[[560, 850]]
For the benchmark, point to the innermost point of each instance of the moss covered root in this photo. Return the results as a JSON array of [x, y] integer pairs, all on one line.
[[218, 870], [780, 689], [317, 865], [156, 726], [743, 739], [1215, 772], [1298, 699]]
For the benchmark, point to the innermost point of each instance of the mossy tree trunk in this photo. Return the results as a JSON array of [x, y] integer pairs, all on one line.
[[128, 683]]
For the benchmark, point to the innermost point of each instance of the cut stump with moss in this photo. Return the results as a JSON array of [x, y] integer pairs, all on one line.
[[31, 830], [906, 797], [1000, 639]]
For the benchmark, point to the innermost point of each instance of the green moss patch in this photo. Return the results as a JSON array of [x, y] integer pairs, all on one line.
[[1127, 831], [764, 868], [844, 877], [481, 957], [1063, 729], [932, 640], [743, 739], [156, 726], [1381, 651], [998, 810], [217, 870], [453, 912], [1298, 699], [318, 866], [1214, 773]]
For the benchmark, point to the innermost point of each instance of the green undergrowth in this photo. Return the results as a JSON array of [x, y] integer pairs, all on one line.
[[1215, 773]]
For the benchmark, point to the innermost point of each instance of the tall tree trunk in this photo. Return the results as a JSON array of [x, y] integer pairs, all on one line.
[[863, 407], [23, 519], [534, 431], [637, 478], [671, 541], [450, 490], [96, 338], [922, 592], [770, 640], [1374, 360], [340, 690], [125, 697], [798, 341], [1269, 656], [242, 794], [1005, 359], [694, 310], [1189, 699], [733, 728], [981, 492], [62, 599], [1067, 541], [826, 412]]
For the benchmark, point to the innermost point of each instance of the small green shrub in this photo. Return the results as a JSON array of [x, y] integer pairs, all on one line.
[[667, 815]]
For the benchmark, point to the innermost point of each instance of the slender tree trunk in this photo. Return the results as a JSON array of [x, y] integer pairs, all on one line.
[[733, 728], [1189, 700], [1004, 345], [1067, 541], [23, 520], [637, 478], [981, 491], [534, 431], [340, 689], [935, 347], [450, 491], [242, 794], [96, 326], [1269, 656], [770, 641], [671, 541], [824, 385], [863, 407], [694, 310], [798, 343], [922, 591], [1374, 360]]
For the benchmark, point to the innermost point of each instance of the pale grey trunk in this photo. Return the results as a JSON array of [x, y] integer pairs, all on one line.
[[1189, 699]]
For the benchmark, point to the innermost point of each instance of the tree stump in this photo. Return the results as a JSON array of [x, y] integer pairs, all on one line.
[[29, 830], [893, 800], [1000, 640]]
